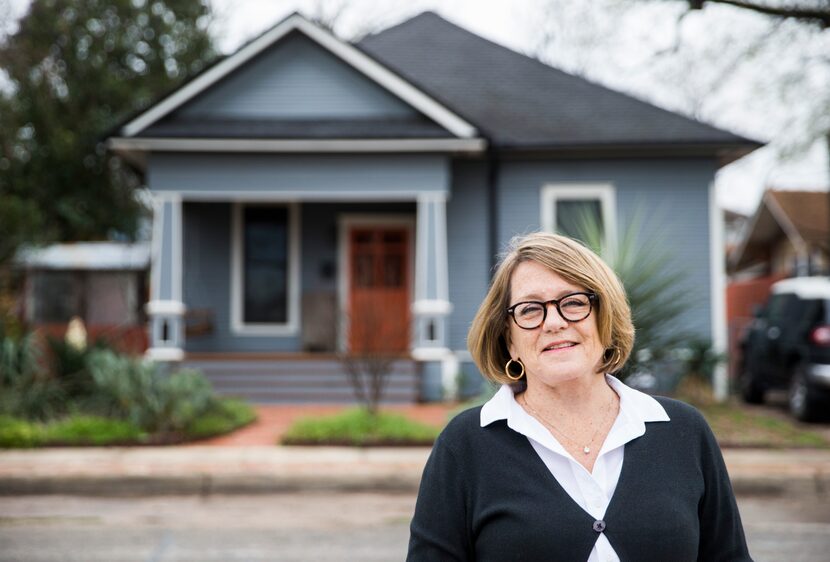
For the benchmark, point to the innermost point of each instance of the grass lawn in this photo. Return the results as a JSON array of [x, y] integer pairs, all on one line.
[[356, 427], [84, 430], [736, 424]]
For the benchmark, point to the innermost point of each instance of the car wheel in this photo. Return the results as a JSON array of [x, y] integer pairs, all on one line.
[[802, 405], [751, 390]]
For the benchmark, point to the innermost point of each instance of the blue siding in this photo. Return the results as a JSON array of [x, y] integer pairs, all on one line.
[[468, 252], [675, 188], [301, 176], [297, 79], [673, 192]]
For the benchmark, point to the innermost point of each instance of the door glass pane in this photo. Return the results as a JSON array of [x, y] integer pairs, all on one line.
[[364, 270], [574, 216], [362, 237], [266, 265], [393, 237], [393, 270]]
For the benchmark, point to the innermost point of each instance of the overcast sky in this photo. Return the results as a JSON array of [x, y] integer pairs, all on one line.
[[509, 23]]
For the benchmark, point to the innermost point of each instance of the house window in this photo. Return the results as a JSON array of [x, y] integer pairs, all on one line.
[[265, 263], [264, 280], [568, 208]]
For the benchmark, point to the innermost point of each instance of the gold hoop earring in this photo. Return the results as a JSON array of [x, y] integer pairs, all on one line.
[[507, 370]]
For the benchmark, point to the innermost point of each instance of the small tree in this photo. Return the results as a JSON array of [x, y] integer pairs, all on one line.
[[69, 72], [374, 346]]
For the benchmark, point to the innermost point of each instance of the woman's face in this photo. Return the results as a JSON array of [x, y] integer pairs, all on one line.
[[557, 351]]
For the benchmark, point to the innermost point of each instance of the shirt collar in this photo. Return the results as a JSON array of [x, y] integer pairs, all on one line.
[[635, 406]]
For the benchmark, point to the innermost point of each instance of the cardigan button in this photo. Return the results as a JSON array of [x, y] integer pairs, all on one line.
[[599, 525]]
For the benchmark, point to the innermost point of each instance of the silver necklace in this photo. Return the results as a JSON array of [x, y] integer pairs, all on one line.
[[585, 448]]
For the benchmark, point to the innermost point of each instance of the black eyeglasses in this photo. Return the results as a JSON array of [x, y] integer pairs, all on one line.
[[573, 307]]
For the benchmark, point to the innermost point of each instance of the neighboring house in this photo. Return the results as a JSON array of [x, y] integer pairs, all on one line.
[[102, 283], [734, 224], [304, 181], [788, 236]]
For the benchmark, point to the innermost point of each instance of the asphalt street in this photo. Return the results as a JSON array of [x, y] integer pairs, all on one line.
[[304, 526]]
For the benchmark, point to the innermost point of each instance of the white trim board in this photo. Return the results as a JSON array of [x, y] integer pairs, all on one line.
[[324, 196], [605, 193], [344, 51], [127, 144], [292, 326], [346, 221], [717, 286]]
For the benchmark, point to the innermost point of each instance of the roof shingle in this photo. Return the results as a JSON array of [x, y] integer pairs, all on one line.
[[519, 102]]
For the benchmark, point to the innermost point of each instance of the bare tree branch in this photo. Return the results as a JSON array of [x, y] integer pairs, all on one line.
[[819, 14]]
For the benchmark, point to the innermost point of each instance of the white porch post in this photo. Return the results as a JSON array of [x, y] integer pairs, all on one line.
[[166, 309], [717, 253], [432, 305]]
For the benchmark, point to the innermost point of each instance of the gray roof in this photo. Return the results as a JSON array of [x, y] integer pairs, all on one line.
[[519, 102]]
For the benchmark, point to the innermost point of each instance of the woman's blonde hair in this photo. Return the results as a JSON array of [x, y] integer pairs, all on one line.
[[569, 259]]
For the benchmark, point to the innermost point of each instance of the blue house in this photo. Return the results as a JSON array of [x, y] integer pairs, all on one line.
[[304, 184]]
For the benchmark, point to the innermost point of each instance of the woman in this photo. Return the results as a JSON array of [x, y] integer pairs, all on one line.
[[565, 462]]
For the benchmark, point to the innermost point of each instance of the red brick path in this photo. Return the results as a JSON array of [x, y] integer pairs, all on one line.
[[274, 420]]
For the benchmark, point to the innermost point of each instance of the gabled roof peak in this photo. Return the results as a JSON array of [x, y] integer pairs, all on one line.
[[348, 53]]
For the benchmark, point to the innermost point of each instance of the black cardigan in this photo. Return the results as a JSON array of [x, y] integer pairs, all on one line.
[[486, 495]]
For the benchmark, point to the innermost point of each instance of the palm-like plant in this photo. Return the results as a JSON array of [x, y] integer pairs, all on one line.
[[653, 279]]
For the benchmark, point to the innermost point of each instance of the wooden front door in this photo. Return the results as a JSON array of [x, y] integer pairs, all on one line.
[[379, 289]]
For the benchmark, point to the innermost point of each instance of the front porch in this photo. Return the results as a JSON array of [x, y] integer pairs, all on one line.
[[265, 297]]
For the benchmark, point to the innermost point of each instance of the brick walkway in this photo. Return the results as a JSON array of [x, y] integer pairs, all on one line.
[[272, 421]]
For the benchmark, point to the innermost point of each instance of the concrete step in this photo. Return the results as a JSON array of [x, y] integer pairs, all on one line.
[[273, 381]]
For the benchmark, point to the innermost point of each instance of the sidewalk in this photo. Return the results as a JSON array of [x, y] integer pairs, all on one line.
[[248, 462]]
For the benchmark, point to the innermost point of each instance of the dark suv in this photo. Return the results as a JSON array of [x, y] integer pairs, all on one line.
[[787, 346]]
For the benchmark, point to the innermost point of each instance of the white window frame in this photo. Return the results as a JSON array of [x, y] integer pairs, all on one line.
[[605, 193], [292, 326]]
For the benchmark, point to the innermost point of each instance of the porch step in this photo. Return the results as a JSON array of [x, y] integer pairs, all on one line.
[[301, 381]]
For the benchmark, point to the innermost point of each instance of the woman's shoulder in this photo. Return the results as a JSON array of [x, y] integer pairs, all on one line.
[[462, 428], [465, 437], [464, 421], [685, 416], [679, 410]]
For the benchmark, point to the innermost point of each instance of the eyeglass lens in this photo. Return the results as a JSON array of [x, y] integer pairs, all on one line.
[[571, 307]]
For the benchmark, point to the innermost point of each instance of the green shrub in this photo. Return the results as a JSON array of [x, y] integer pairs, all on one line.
[[224, 416], [91, 430], [140, 392], [26, 391], [19, 434], [18, 358], [68, 365], [74, 430], [359, 427]]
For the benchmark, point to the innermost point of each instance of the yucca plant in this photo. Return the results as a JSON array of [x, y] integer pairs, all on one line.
[[654, 282], [138, 391]]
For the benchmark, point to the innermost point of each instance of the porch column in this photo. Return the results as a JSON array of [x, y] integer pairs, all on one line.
[[432, 306], [166, 309]]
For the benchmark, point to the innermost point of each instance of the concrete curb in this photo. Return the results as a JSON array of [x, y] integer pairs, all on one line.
[[209, 470], [261, 470]]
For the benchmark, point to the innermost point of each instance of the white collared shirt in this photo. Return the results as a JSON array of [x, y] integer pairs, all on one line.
[[590, 490]]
